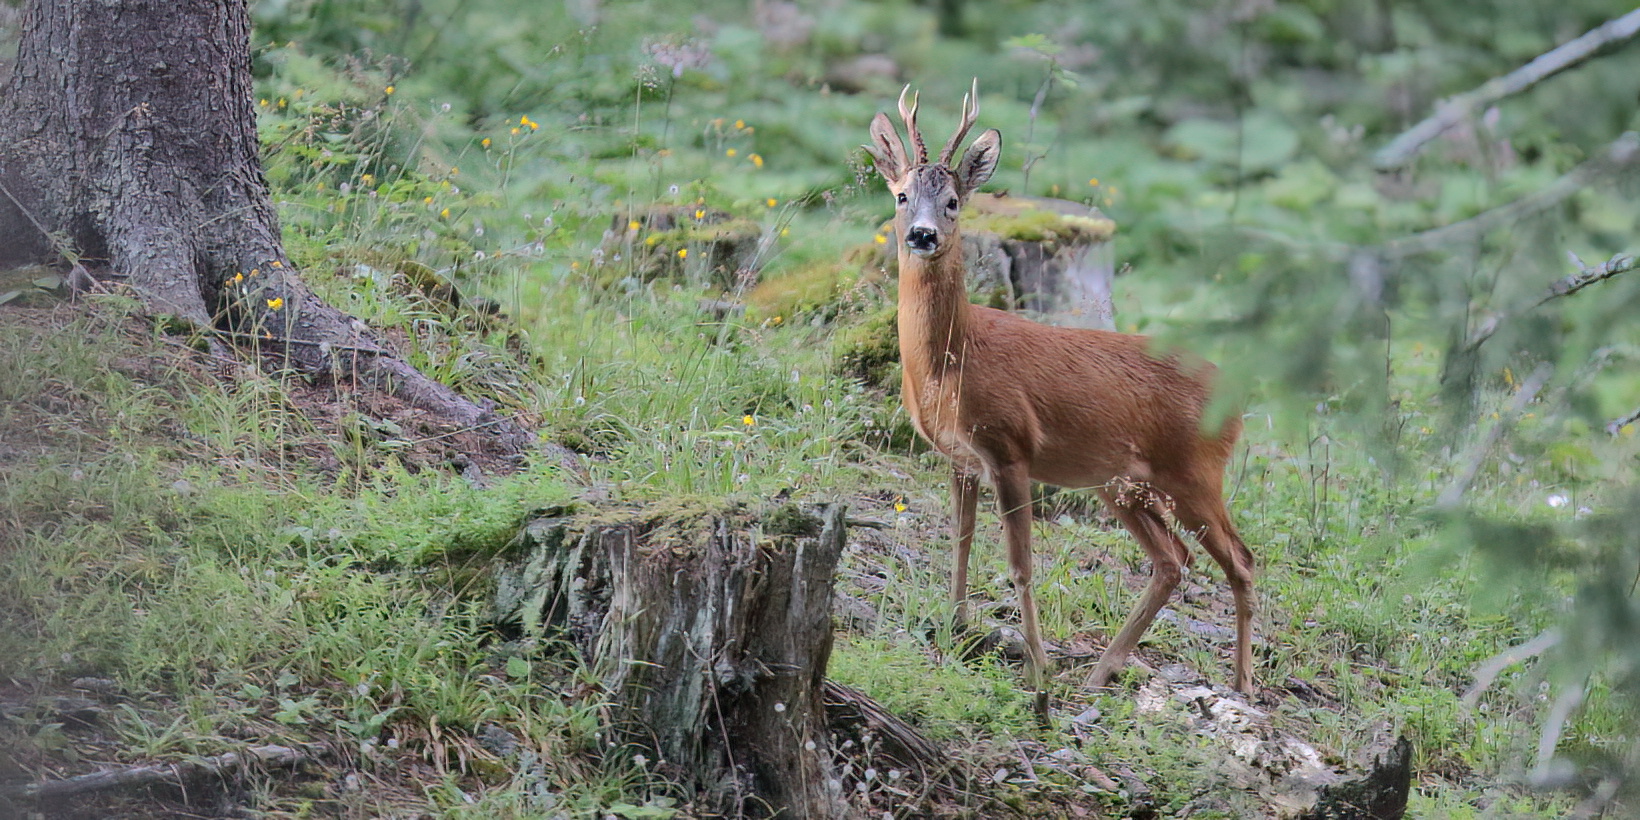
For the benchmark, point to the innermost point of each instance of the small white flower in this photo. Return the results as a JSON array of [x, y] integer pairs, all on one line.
[[1557, 500]]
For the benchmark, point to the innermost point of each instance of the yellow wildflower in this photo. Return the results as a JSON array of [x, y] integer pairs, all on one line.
[[485, 142], [899, 505], [1094, 182], [880, 239], [634, 225], [454, 171], [683, 253], [263, 102], [515, 131], [426, 200], [700, 213], [238, 277], [368, 179], [757, 159], [389, 91], [740, 125], [771, 202], [748, 420], [444, 214], [731, 152], [276, 303], [276, 264]]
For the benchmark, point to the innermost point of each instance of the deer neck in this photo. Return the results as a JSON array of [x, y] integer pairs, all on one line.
[[933, 316]]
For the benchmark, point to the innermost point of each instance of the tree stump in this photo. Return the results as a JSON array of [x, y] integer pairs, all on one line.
[[1051, 257], [710, 634]]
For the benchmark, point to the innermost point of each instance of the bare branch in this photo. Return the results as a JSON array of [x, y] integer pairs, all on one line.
[[1620, 154], [1586, 276], [1488, 672], [1456, 109], [1616, 426]]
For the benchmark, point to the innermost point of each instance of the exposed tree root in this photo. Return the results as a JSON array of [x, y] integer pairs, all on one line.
[[180, 773]]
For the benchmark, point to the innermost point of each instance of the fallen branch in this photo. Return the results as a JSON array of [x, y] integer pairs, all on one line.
[[1450, 112], [167, 774]]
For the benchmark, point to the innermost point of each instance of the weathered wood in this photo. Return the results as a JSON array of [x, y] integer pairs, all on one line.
[[710, 634], [176, 774], [1380, 794], [1051, 257]]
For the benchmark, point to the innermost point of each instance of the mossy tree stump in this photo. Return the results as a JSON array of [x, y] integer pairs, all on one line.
[[710, 635], [1051, 257], [702, 245]]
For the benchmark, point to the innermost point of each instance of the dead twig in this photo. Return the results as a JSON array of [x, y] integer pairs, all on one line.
[[167, 774], [1463, 106]]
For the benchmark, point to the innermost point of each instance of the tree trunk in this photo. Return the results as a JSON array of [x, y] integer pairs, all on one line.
[[128, 140], [710, 635]]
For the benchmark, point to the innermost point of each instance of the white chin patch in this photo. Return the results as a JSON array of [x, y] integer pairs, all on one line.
[[920, 251]]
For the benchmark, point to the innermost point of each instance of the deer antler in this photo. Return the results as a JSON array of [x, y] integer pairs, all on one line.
[[910, 117], [970, 115]]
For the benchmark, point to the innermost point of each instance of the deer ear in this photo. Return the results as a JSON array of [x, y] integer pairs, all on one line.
[[886, 149], [980, 161]]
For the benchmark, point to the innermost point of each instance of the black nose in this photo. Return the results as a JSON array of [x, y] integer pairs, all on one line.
[[922, 239]]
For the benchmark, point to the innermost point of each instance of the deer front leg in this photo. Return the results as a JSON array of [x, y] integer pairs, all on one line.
[[1013, 485], [964, 500]]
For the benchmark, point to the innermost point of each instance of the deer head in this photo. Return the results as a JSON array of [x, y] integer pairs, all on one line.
[[929, 195]]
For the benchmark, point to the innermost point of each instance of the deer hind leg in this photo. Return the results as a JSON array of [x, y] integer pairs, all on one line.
[[1013, 485], [1204, 513], [964, 500], [1168, 559]]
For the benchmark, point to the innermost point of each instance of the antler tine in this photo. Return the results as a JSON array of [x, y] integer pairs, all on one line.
[[910, 117], [970, 115]]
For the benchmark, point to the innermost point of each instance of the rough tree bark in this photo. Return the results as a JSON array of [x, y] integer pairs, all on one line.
[[128, 139], [710, 634]]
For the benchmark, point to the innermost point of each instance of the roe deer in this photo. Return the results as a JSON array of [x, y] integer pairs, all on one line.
[[1013, 400]]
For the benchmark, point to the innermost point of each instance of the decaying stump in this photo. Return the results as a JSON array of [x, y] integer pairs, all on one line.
[[689, 242], [710, 634], [1051, 257]]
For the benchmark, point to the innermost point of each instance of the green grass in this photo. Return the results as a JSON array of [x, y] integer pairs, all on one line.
[[243, 570]]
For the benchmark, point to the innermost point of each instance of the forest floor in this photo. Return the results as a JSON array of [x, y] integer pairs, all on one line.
[[113, 430]]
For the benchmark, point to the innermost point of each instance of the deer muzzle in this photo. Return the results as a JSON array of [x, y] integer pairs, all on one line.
[[922, 240]]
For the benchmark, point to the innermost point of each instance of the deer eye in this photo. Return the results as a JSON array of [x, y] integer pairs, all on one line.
[[951, 203], [900, 198]]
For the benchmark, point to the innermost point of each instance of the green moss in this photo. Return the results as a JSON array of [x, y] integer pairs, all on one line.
[[870, 351], [813, 288], [791, 519], [1037, 225]]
